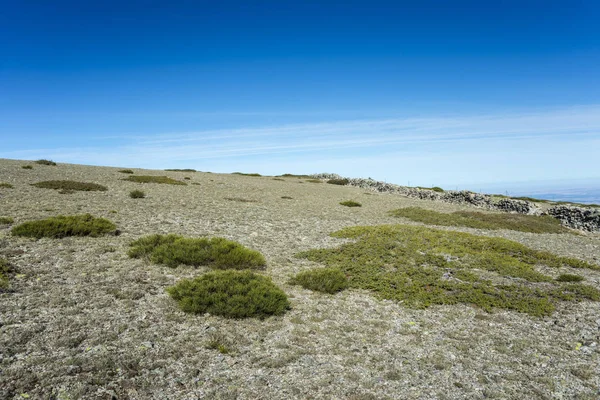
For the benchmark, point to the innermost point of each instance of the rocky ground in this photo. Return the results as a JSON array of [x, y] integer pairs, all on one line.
[[83, 320]]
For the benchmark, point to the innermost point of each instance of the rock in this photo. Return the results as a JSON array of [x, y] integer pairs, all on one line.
[[577, 217]]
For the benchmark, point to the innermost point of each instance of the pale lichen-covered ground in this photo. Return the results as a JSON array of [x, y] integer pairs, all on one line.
[[83, 320]]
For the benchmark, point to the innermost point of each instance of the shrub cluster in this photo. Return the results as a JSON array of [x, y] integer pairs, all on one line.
[[341, 182], [245, 174], [137, 194], [6, 220], [231, 294], [350, 203], [45, 162], [27, 166], [6, 185], [326, 280], [218, 253], [70, 186], [153, 179], [5, 270], [569, 278], [126, 171], [63, 226], [181, 170]]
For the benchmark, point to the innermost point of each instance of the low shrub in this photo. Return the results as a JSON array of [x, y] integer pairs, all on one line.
[[126, 171], [137, 194], [438, 189], [70, 186], [153, 179], [240, 200], [245, 174], [480, 220], [350, 203], [181, 170], [217, 253], [27, 166], [287, 197], [569, 278], [45, 162], [6, 185], [187, 178], [5, 270], [326, 280], [231, 294], [278, 179], [314, 181], [341, 182], [295, 176], [6, 220], [63, 226]]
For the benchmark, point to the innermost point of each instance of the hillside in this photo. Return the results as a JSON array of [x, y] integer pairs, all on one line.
[[80, 318]]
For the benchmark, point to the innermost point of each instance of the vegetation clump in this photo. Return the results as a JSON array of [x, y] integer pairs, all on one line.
[[240, 199], [70, 186], [479, 220], [126, 171], [137, 194], [421, 267], [45, 162], [438, 189], [231, 294], [341, 182], [181, 170], [5, 270], [153, 179], [6, 185], [218, 253], [6, 220], [326, 280], [314, 181], [295, 176], [287, 197], [27, 166], [351, 203], [245, 174], [63, 226], [569, 278]]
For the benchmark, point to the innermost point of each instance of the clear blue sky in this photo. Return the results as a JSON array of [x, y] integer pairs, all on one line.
[[431, 92]]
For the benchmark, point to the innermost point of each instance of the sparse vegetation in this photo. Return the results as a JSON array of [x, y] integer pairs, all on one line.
[[45, 162], [295, 176], [63, 226], [187, 178], [421, 267], [217, 253], [240, 199], [326, 280], [153, 179], [27, 166], [438, 189], [231, 294], [6, 185], [218, 341], [278, 179], [287, 197], [6, 220], [314, 181], [340, 182], [350, 203], [569, 278], [137, 194], [70, 186], [480, 220], [245, 174], [181, 170], [126, 171], [5, 270]]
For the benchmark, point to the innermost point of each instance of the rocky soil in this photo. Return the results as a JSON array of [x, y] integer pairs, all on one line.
[[83, 321]]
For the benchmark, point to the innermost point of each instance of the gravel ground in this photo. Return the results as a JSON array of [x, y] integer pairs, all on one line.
[[82, 320]]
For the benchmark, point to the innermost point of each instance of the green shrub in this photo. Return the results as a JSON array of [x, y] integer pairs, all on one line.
[[326, 280], [5, 270], [45, 162], [420, 267], [231, 294], [27, 166], [295, 176], [437, 189], [187, 178], [569, 278], [181, 170], [287, 197], [70, 186], [153, 179], [126, 171], [62, 226], [480, 220], [6, 220], [314, 181], [341, 182], [278, 179], [351, 203], [137, 194], [6, 185], [218, 253], [244, 174]]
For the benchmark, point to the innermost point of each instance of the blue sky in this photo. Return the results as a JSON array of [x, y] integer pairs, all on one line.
[[431, 92]]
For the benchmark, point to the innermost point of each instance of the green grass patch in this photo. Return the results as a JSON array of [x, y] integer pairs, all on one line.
[[287, 197], [314, 181], [70, 186], [246, 174], [420, 267], [27, 166], [137, 194], [326, 280], [181, 169], [63, 226], [341, 182], [438, 189], [231, 294], [493, 221], [6, 220], [45, 162], [6, 185], [295, 176], [530, 199], [350, 203], [153, 179], [126, 171], [217, 253], [569, 278]]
